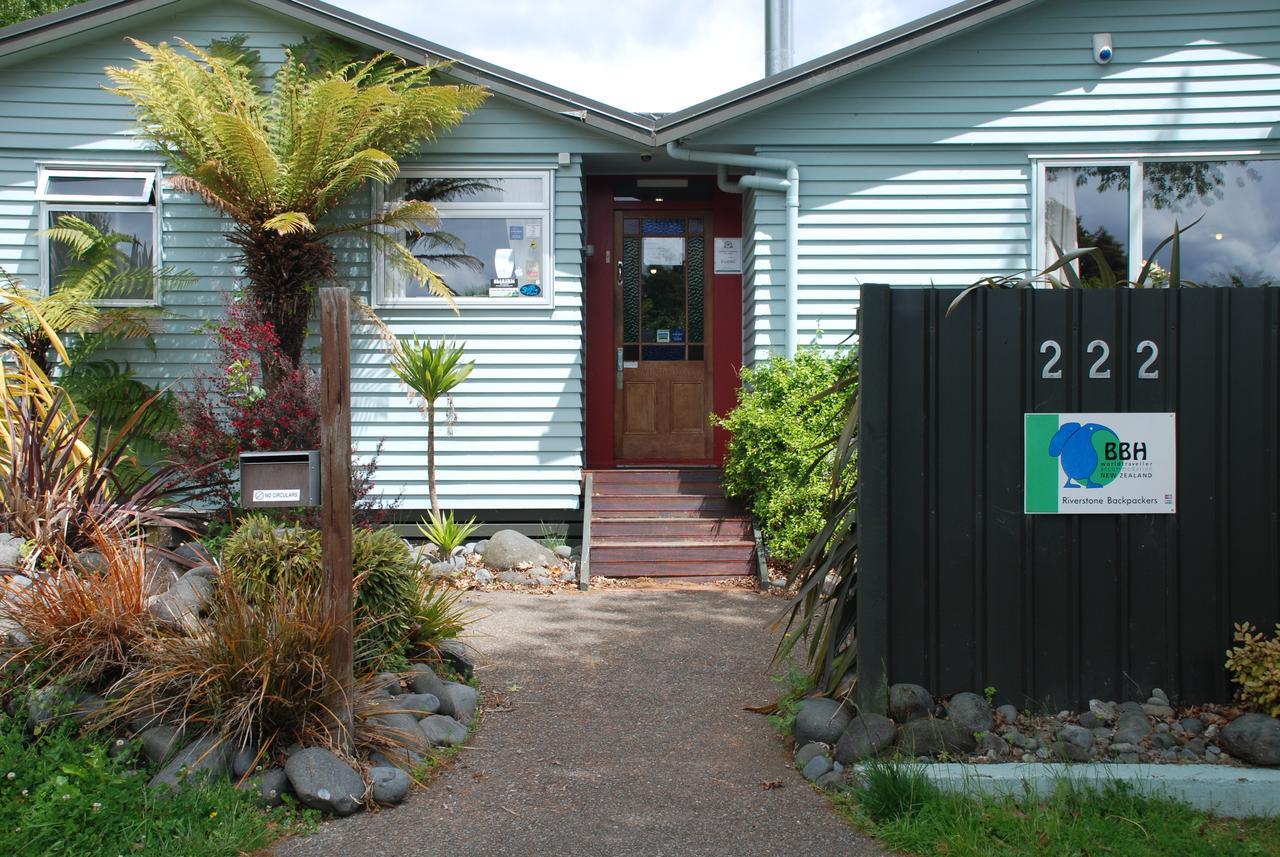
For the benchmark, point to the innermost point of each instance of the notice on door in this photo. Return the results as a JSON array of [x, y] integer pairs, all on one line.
[[1100, 464], [728, 255], [663, 251]]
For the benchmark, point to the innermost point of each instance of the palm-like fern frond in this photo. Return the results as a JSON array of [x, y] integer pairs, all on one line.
[[282, 156]]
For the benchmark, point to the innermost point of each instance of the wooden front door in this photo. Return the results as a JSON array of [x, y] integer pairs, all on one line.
[[662, 330]]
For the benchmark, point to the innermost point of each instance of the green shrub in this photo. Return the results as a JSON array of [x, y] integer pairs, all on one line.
[[62, 795], [777, 427], [1254, 665], [439, 614], [262, 556]]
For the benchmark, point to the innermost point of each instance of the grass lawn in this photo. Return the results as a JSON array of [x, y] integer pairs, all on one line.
[[63, 796], [901, 808]]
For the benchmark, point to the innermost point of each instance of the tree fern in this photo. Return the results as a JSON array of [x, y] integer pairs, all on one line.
[[280, 157]]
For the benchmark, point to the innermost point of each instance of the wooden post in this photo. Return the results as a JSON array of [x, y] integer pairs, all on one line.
[[335, 496]]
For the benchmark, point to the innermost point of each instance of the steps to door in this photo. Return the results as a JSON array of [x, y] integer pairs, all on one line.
[[667, 522]]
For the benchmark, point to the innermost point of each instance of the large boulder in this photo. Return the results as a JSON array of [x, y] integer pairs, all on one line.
[[325, 782], [1253, 738], [201, 759], [866, 735], [970, 712], [441, 730], [909, 702], [458, 701], [507, 548], [820, 719], [933, 737]]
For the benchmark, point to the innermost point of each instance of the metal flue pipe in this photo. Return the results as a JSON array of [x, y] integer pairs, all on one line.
[[779, 46]]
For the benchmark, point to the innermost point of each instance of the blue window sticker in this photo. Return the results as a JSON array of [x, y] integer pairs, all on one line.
[[531, 290], [515, 233], [677, 334]]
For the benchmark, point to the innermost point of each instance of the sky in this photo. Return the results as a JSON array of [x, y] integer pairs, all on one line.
[[641, 55]]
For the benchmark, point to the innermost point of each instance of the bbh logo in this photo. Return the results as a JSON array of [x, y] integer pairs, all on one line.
[[1092, 455]]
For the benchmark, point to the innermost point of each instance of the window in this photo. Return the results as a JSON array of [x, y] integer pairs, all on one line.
[[492, 243], [119, 201], [1237, 202]]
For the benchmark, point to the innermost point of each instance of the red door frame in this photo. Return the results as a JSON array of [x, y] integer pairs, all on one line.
[[726, 321]]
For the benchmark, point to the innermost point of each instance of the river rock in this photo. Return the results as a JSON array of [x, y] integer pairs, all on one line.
[[820, 719], [272, 786], [325, 782], [909, 702], [1192, 725], [1253, 738], [808, 751], [1132, 728], [483, 576], [10, 550], [417, 704], [181, 603], [932, 737], [970, 712], [866, 735], [816, 767], [390, 785], [508, 548], [1008, 713], [441, 730], [1077, 736], [1107, 712], [423, 679], [201, 759], [458, 701], [160, 742], [459, 655]]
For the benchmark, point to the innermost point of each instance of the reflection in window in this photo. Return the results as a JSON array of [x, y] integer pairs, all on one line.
[[1088, 207], [1237, 241], [134, 232], [491, 239]]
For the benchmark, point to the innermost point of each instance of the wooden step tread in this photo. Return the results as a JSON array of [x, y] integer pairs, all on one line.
[[671, 543]]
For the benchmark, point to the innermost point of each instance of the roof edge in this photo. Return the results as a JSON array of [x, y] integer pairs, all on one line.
[[834, 66]]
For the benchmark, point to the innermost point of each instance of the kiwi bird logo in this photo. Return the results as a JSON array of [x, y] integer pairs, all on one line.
[[1080, 449]]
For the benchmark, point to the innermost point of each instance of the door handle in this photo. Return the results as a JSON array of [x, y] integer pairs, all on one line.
[[618, 374], [618, 276], [619, 359]]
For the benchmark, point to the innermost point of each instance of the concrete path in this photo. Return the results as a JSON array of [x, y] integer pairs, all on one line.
[[623, 734]]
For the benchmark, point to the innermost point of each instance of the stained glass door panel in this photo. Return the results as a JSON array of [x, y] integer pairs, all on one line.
[[663, 370]]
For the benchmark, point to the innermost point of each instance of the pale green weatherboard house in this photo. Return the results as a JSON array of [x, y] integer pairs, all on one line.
[[965, 144]]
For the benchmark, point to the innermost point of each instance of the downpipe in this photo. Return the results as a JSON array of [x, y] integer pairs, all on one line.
[[790, 186]]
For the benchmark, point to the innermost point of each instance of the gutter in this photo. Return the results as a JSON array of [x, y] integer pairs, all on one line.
[[790, 186]]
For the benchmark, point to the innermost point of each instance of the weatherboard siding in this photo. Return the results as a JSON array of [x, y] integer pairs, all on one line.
[[920, 171], [517, 440]]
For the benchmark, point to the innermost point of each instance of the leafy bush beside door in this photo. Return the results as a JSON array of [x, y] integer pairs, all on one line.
[[777, 428]]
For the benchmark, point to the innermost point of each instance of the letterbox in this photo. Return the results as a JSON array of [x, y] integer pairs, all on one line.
[[278, 479]]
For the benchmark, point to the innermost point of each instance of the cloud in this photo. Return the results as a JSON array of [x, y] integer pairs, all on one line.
[[647, 55]]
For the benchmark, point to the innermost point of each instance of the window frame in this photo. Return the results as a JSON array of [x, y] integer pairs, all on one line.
[[543, 211], [65, 203], [1135, 162]]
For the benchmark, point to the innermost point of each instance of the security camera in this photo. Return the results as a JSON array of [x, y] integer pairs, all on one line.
[[1102, 50]]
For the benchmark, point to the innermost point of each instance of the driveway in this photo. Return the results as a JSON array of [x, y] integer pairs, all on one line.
[[616, 728]]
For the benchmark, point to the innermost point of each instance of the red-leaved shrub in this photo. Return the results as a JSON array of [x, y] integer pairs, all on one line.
[[255, 400]]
